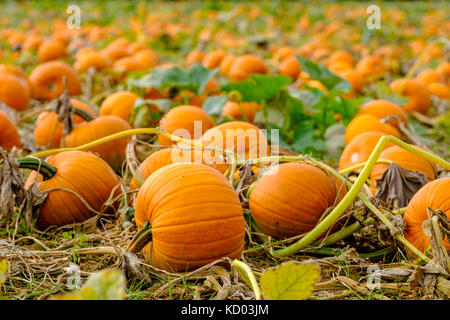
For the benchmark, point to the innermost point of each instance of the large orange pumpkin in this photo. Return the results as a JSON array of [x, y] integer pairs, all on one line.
[[47, 80], [195, 215], [112, 152], [434, 195], [9, 137], [119, 104], [289, 199], [404, 159], [383, 109], [82, 172], [14, 91], [182, 120]]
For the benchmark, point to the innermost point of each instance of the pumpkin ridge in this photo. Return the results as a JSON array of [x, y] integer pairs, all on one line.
[[195, 222]]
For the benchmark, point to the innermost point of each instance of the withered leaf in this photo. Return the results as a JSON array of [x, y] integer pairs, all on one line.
[[398, 185]]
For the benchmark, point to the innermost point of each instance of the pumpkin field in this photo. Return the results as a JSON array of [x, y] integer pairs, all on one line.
[[224, 150]]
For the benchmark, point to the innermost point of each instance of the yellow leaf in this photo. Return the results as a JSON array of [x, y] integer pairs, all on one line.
[[290, 281], [104, 285], [3, 270]]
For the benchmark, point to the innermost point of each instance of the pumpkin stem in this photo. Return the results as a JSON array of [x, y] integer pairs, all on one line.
[[235, 96], [140, 240], [83, 114], [42, 167]]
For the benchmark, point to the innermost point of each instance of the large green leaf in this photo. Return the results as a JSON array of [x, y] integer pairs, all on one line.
[[290, 281]]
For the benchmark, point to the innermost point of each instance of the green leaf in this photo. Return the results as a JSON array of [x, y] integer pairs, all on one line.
[[290, 281], [258, 87], [306, 140], [273, 116], [103, 285], [214, 105], [382, 91], [193, 79], [324, 75]]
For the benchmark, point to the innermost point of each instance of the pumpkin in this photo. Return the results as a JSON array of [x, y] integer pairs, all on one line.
[[81, 172], [195, 215], [212, 60], [147, 57], [9, 137], [243, 66], [341, 56], [225, 64], [47, 80], [237, 110], [32, 42], [434, 195], [16, 71], [51, 50], [428, 76], [48, 131], [128, 64], [368, 122], [194, 57], [404, 159], [112, 152], [384, 108], [281, 53], [417, 93], [360, 148], [370, 66], [91, 59], [439, 90], [242, 138], [185, 121], [353, 77], [14, 91], [289, 199], [119, 104], [290, 67]]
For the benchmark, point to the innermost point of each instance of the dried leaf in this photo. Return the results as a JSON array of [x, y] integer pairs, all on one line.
[[398, 185], [290, 281], [247, 275]]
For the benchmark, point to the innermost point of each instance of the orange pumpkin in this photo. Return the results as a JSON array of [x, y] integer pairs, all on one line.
[[81, 172], [14, 92], [119, 104], [51, 50], [439, 90], [289, 199], [384, 108], [182, 121], [243, 66], [112, 152], [194, 57], [91, 60], [359, 149], [370, 66], [290, 67], [428, 76], [368, 122], [418, 95], [47, 80], [9, 137], [237, 110], [212, 60], [404, 159], [48, 131], [192, 223], [434, 195]]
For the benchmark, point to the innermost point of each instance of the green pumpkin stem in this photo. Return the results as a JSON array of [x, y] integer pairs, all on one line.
[[140, 240], [36, 164]]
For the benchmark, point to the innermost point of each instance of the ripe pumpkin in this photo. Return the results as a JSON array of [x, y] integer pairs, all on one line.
[[9, 137], [418, 95], [368, 122], [234, 110], [289, 199], [282, 53], [32, 42], [439, 90], [225, 64], [48, 131], [112, 152], [384, 108], [51, 50], [147, 57], [14, 92], [47, 80], [194, 57], [370, 66], [243, 66], [353, 77], [82, 172], [404, 159], [192, 223], [16, 71], [240, 137], [428, 76], [91, 60], [128, 64], [119, 104], [182, 120], [290, 67], [434, 195], [359, 149], [213, 59]]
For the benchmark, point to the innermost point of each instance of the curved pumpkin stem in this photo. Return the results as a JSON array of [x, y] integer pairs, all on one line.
[[42, 167], [141, 238], [83, 114]]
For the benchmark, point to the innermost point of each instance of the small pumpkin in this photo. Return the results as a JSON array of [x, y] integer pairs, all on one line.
[[418, 95], [434, 195], [112, 152], [186, 121], [51, 50], [404, 159], [47, 80], [14, 92], [243, 66], [382, 109], [290, 67], [192, 223], [237, 110], [119, 104], [289, 199], [81, 172], [212, 60], [194, 57], [92, 59], [9, 137], [367, 122]]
